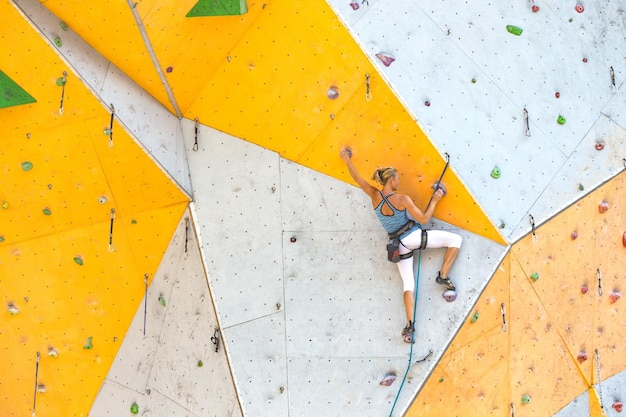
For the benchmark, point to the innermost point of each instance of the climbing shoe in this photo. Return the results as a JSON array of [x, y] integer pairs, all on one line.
[[445, 282], [408, 333]]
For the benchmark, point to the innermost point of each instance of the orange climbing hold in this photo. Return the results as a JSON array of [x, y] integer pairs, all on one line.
[[582, 356], [617, 406], [615, 295], [603, 207], [624, 239]]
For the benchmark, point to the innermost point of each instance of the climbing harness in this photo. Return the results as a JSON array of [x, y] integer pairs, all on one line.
[[36, 383], [599, 275], [195, 143], [527, 123], [417, 279], [368, 94], [145, 303], [532, 226], [437, 185], [111, 248]]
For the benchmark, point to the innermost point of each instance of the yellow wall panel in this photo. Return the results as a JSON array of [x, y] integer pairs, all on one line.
[[114, 33]]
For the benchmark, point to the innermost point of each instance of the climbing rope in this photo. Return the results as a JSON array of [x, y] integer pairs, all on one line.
[[417, 280]]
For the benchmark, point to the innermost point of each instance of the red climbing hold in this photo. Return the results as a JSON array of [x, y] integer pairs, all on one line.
[[617, 406], [557, 94], [584, 289], [427, 103], [535, 8], [585, 60], [599, 146], [574, 235], [624, 239], [385, 59], [579, 8], [614, 296], [388, 380], [603, 207], [582, 356], [354, 5]]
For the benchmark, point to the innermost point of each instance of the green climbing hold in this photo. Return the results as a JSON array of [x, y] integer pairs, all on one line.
[[134, 408], [495, 172], [27, 166], [63, 25], [133, 221], [58, 42], [200, 364], [46, 211], [581, 187], [78, 260], [515, 30], [218, 8], [534, 276], [61, 81], [162, 300], [440, 379], [88, 344], [5, 205], [561, 120], [107, 131], [1, 238], [12, 94], [525, 399], [474, 317]]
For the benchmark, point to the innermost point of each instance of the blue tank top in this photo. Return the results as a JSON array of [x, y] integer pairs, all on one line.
[[396, 221]]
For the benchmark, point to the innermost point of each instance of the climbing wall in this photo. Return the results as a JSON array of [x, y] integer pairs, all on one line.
[[296, 262], [81, 224], [172, 361], [545, 333]]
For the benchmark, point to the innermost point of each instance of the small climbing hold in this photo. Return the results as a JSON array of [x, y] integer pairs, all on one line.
[[585, 60], [46, 211], [579, 8], [581, 187], [52, 352], [63, 25], [618, 406], [439, 186], [106, 131], [624, 239], [473, 80], [574, 235], [427, 103], [134, 408], [599, 146], [12, 309], [332, 93], [449, 295], [27, 166], [614, 296], [293, 239], [535, 8], [440, 379], [474, 317], [534, 276], [581, 357], [57, 41], [133, 221], [78, 260], [385, 59], [88, 344], [496, 173], [388, 380], [102, 200], [1, 238], [603, 207], [584, 289], [41, 388], [515, 30], [162, 300], [354, 5], [525, 399], [557, 94], [200, 364], [5, 205], [169, 69], [561, 120]]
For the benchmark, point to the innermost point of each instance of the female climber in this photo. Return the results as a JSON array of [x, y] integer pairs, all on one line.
[[400, 217]]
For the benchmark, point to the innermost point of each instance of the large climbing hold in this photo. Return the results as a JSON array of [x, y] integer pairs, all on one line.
[[218, 8], [12, 94]]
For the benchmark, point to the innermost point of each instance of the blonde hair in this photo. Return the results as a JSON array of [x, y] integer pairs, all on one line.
[[382, 175]]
